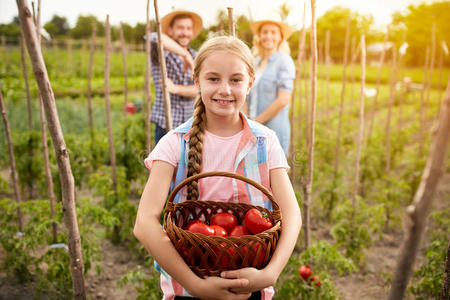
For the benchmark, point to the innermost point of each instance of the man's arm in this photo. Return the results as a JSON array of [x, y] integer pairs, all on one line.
[[170, 45], [189, 91]]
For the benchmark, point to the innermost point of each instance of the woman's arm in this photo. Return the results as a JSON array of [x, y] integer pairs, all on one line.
[[291, 223], [275, 107], [150, 233]]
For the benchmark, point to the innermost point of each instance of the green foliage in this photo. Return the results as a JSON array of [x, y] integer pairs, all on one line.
[[354, 228], [57, 26], [148, 288], [427, 281], [295, 287], [28, 255], [29, 161], [115, 202]]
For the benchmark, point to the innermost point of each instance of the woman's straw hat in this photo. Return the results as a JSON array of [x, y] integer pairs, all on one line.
[[286, 30], [196, 20]]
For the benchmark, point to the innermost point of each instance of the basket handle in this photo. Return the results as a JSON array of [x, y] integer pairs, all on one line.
[[260, 187]]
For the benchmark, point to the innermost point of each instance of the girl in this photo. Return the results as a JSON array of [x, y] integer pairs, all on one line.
[[218, 138], [275, 71]]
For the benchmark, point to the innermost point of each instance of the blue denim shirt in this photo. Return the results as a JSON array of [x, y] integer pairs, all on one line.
[[277, 76]]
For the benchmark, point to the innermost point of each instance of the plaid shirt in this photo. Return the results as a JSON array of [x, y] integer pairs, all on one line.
[[182, 107]]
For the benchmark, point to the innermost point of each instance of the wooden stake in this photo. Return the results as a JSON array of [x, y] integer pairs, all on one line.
[[377, 87], [309, 179], [162, 63], [341, 106], [14, 176], [417, 212], [89, 87], [431, 67], [231, 21], [48, 172], [327, 70], [393, 81], [25, 78], [301, 48], [445, 295], [125, 73], [422, 115], [61, 152], [441, 63], [360, 139], [148, 95]]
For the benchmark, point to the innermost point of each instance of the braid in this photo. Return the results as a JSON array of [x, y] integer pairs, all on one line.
[[196, 146]]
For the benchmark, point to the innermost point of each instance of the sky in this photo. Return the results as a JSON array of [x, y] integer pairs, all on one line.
[[133, 11]]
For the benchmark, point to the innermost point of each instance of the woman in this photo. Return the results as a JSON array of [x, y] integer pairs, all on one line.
[[275, 72]]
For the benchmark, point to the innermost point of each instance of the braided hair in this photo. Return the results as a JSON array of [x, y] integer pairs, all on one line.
[[221, 43]]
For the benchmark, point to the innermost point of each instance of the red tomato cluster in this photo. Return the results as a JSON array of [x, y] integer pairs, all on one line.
[[226, 224], [305, 272]]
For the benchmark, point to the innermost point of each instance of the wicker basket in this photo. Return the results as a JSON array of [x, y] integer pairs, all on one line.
[[210, 255]]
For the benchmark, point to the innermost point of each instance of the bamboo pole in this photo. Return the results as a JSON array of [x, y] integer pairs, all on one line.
[[341, 105], [400, 75], [360, 140], [48, 172], [231, 21], [25, 78], [125, 73], [89, 88], [422, 115], [162, 63], [417, 212], [148, 95], [377, 86], [62, 154], [352, 66], [309, 179], [69, 46], [441, 63], [301, 48], [14, 176], [327, 70]]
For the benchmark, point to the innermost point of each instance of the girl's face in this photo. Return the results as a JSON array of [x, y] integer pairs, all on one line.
[[269, 36], [224, 83]]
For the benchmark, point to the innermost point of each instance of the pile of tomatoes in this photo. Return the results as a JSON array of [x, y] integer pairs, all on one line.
[[225, 224]]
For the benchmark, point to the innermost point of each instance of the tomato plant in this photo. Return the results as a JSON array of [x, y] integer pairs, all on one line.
[[226, 220], [257, 221]]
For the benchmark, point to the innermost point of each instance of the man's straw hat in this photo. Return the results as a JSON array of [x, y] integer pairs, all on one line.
[[286, 30], [196, 20]]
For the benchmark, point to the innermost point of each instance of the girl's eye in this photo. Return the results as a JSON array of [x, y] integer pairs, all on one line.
[[213, 79], [236, 80]]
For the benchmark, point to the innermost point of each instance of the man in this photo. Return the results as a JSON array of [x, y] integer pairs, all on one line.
[[178, 28]]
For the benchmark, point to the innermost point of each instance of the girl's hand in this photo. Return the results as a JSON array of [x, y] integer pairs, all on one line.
[[257, 279], [216, 288]]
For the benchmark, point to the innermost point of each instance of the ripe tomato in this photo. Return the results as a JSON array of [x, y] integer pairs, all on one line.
[[239, 231], [201, 228], [226, 220], [219, 230], [252, 260], [225, 260], [315, 280], [304, 272], [192, 223], [257, 221]]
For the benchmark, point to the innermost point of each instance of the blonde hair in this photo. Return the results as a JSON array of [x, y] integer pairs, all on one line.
[[227, 44], [258, 50]]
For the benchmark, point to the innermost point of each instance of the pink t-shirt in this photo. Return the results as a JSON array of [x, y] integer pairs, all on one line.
[[218, 155]]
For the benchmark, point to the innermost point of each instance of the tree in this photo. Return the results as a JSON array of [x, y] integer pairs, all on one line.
[[284, 11], [336, 20], [11, 29], [57, 26], [418, 22], [84, 25]]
